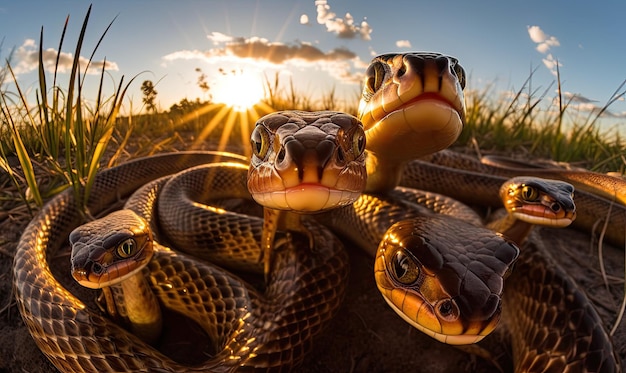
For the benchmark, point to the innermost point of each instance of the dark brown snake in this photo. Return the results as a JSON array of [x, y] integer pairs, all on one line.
[[562, 329], [40, 295]]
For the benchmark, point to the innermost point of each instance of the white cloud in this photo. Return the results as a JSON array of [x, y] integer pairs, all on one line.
[[345, 27], [304, 19], [403, 44], [544, 42], [27, 58], [577, 97], [551, 63], [340, 63], [218, 37], [536, 34]]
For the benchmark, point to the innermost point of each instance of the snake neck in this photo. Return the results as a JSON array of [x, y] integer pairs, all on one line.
[[512, 228], [138, 307], [383, 175]]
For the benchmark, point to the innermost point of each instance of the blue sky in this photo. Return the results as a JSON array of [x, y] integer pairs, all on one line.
[[322, 44]]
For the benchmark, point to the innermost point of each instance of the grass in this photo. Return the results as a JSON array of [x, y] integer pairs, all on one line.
[[61, 141], [60, 132], [66, 139], [521, 125]]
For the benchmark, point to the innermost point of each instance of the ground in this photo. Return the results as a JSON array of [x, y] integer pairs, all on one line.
[[366, 335]]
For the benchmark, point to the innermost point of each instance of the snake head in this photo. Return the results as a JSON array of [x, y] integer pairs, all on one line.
[[410, 97], [108, 250], [307, 161], [444, 277], [539, 201]]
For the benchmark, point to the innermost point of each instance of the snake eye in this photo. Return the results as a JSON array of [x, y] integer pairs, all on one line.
[[447, 310], [260, 141], [358, 142], [126, 248], [529, 193], [460, 74], [404, 268], [374, 76]]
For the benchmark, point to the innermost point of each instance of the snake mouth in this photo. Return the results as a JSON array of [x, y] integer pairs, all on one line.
[[307, 198], [422, 125], [458, 339], [540, 215], [432, 97]]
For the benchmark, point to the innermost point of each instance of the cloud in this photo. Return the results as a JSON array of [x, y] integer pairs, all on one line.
[[551, 63], [218, 37], [339, 62], [27, 58], [576, 97], [344, 28], [403, 44], [304, 19], [544, 42]]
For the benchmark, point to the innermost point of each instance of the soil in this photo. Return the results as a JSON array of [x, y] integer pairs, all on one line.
[[366, 335]]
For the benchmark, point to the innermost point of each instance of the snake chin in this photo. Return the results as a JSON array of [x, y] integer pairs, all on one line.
[[463, 339], [417, 129], [306, 198]]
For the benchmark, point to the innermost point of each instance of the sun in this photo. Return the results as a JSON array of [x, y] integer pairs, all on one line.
[[239, 89]]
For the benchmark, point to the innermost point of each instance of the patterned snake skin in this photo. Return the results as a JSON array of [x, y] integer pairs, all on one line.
[[62, 326], [269, 330]]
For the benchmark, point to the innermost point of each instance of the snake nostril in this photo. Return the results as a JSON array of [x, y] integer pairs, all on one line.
[[448, 310], [281, 155], [97, 268], [401, 70], [555, 207], [341, 156]]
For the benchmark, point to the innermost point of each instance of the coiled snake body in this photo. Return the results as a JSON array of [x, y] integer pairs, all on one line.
[[59, 321]]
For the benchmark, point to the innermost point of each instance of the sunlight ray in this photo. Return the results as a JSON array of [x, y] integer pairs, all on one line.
[[206, 131]]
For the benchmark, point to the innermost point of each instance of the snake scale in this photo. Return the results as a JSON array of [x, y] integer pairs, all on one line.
[[39, 293]]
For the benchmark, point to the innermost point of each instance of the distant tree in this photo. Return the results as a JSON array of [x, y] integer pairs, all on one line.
[[185, 106], [202, 82], [149, 95]]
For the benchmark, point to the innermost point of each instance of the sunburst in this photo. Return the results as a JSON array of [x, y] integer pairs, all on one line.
[[240, 90]]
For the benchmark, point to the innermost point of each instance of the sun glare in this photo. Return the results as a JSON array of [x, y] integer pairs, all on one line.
[[239, 90]]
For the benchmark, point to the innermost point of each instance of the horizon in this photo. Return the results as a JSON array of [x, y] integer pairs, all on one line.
[[322, 46]]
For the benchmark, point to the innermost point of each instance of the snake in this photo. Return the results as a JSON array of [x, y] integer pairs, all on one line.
[[543, 333], [269, 330], [456, 174], [530, 201], [441, 80]]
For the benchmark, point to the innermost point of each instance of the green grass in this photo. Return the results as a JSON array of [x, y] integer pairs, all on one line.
[[62, 141], [60, 132], [521, 125]]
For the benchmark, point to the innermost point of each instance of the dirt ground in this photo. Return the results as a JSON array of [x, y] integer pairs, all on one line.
[[366, 335]]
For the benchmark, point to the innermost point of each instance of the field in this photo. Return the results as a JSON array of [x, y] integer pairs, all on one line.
[[62, 142]]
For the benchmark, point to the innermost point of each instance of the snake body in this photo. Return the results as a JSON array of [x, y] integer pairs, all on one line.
[[77, 339], [540, 302], [531, 201], [42, 300], [460, 176]]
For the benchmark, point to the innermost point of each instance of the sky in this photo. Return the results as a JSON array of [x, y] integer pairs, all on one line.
[[324, 45]]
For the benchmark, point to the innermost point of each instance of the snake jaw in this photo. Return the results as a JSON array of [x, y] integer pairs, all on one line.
[[418, 100], [306, 198]]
